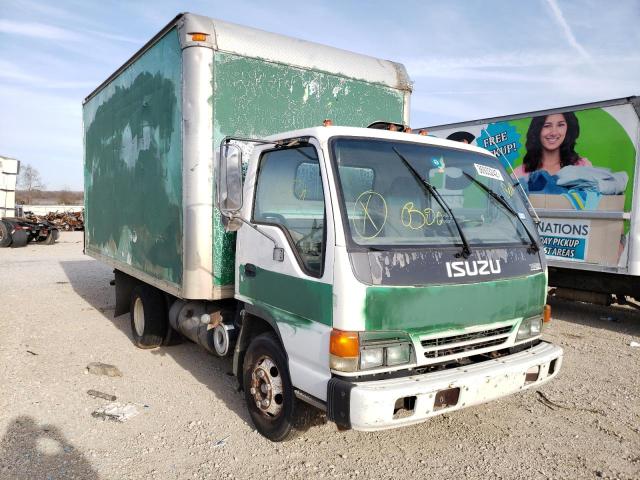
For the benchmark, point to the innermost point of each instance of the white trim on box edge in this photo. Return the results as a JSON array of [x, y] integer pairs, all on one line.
[[197, 173]]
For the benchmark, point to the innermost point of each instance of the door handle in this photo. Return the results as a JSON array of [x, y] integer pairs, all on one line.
[[250, 270]]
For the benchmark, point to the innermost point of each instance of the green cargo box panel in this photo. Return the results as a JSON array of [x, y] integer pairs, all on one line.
[[133, 165]]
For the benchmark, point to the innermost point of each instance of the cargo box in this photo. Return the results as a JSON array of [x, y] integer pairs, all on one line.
[[152, 129]]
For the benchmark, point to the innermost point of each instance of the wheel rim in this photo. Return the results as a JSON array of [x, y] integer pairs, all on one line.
[[220, 340], [138, 317], [266, 387]]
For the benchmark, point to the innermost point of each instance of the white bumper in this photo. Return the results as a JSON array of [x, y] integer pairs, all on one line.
[[372, 403]]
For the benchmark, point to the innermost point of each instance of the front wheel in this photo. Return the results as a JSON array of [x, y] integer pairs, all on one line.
[[272, 405]]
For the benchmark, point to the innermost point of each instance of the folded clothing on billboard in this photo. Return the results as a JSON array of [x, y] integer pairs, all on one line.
[[600, 180], [542, 181], [588, 179]]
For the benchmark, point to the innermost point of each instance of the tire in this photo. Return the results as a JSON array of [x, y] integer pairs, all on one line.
[[50, 240], [149, 321], [20, 239], [266, 379], [5, 235]]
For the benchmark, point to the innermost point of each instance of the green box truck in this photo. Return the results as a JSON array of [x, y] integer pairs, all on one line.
[[336, 263]]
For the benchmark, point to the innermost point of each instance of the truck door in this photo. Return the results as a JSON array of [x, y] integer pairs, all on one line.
[[287, 202]]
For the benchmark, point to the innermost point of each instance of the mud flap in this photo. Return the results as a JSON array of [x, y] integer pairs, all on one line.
[[124, 286], [339, 402]]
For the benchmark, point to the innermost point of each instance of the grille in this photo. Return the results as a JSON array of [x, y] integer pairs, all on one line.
[[464, 348], [465, 337]]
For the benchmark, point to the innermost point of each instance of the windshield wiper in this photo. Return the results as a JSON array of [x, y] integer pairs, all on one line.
[[427, 187], [500, 199]]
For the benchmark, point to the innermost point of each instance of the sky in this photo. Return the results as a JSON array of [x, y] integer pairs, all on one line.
[[468, 59]]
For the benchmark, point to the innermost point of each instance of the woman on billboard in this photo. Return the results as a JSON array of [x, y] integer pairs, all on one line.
[[551, 142]]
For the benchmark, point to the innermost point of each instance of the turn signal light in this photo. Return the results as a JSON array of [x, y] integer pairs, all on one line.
[[345, 349], [546, 313], [344, 344], [198, 37]]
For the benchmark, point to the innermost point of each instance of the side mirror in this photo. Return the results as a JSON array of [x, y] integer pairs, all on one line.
[[230, 179]]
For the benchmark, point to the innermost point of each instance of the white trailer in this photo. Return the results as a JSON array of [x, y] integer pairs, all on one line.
[[9, 169]]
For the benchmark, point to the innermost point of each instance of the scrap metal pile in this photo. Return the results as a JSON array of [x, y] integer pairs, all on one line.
[[63, 220]]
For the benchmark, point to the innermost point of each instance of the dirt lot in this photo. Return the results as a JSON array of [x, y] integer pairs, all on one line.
[[56, 316]]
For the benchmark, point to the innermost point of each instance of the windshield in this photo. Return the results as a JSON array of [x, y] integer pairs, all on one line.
[[388, 199]]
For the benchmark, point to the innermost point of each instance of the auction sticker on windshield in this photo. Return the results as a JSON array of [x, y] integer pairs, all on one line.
[[488, 172]]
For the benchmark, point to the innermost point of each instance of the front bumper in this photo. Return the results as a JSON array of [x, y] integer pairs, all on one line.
[[370, 405]]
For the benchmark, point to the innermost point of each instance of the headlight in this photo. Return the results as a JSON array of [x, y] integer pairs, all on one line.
[[371, 358], [398, 354], [357, 351], [384, 349], [529, 328]]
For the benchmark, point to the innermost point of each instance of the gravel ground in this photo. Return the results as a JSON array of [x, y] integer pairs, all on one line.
[[56, 316]]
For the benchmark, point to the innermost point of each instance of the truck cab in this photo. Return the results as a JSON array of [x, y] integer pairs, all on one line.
[[384, 277]]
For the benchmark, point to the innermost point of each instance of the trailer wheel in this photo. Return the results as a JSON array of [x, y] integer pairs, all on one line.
[[50, 240], [5, 235], [20, 239], [272, 405], [148, 317]]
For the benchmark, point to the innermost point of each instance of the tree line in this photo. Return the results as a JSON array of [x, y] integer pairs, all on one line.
[[30, 189]]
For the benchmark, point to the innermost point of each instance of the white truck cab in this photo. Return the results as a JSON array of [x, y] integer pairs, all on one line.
[[385, 277]]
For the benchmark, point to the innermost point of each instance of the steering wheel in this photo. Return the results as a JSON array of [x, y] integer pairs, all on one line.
[[279, 219]]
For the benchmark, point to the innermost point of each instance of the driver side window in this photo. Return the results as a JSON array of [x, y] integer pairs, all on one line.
[[289, 194]]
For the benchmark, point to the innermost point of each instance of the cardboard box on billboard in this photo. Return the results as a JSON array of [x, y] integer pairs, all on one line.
[[613, 203], [604, 242]]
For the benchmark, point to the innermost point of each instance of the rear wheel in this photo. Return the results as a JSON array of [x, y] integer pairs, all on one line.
[[274, 409], [5, 235], [20, 238], [50, 239], [148, 317]]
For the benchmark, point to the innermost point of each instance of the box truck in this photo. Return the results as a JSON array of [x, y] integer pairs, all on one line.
[[588, 210], [335, 263]]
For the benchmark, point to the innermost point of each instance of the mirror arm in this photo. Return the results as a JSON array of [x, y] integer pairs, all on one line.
[[278, 253]]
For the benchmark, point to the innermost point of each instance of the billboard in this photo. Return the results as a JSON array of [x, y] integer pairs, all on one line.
[[566, 160]]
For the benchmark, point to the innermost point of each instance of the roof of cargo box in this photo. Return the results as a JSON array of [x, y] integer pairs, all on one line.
[[251, 42]]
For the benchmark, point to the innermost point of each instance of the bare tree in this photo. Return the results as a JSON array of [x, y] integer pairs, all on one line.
[[29, 180]]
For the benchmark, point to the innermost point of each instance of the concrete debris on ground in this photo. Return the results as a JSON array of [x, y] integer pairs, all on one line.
[[67, 221], [118, 412], [221, 443], [98, 368], [98, 394]]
